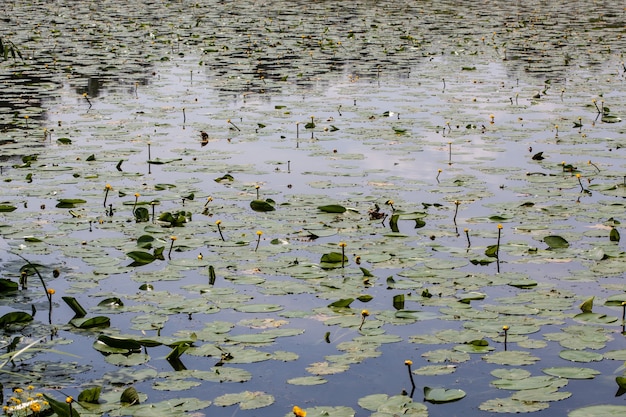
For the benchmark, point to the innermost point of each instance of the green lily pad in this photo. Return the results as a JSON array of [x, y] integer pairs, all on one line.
[[307, 380], [556, 242], [442, 395], [532, 382], [595, 318], [262, 205], [332, 208], [571, 372], [259, 308], [247, 400], [512, 358], [580, 356], [599, 411], [512, 406]]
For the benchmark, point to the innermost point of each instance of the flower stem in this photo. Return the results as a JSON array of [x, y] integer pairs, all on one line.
[[408, 365]]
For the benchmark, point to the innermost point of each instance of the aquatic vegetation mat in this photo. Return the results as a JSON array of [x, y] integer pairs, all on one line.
[[312, 208]]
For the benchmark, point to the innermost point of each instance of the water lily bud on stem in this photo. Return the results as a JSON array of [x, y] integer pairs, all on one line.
[[408, 364], [173, 238], [107, 188], [364, 314], [137, 195], [582, 189], [259, 233], [505, 328], [343, 245], [233, 125], [219, 229]]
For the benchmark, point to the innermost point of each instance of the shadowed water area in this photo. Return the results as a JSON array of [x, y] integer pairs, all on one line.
[[235, 208]]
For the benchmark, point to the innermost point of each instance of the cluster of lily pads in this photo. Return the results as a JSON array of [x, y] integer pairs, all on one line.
[[435, 230]]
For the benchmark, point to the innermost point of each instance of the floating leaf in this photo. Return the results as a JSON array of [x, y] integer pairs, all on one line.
[[140, 258], [6, 208], [90, 323], [615, 300], [130, 396], [120, 342], [512, 406], [332, 208], [90, 395], [571, 372], [532, 382], [556, 242], [595, 318], [159, 161], [492, 251], [580, 356], [6, 285], [262, 205], [247, 400], [70, 202], [614, 235], [307, 380], [15, 317], [333, 257], [111, 302], [226, 177], [599, 411], [343, 303], [442, 395]]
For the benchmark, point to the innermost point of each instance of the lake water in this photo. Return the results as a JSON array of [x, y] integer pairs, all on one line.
[[432, 115]]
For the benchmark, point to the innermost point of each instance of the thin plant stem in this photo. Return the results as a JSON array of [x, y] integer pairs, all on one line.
[[169, 254], [506, 332], [408, 365], [582, 189], [233, 125]]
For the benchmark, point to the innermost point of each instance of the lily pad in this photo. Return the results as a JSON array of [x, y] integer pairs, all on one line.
[[442, 395], [247, 400], [571, 372]]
